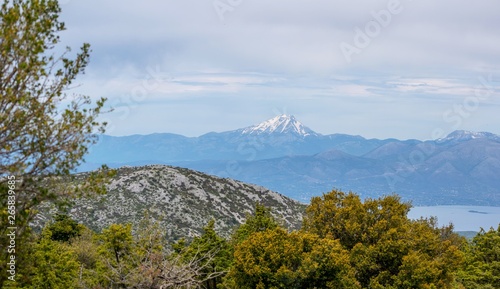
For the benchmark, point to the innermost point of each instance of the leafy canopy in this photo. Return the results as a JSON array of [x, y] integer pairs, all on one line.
[[277, 259], [482, 266], [387, 249], [44, 132]]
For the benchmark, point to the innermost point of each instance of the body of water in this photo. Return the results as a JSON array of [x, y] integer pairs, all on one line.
[[464, 218]]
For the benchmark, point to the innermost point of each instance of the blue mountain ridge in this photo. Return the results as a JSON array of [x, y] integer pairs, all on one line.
[[285, 156]]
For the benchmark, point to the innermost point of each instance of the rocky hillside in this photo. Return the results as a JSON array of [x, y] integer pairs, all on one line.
[[183, 200]]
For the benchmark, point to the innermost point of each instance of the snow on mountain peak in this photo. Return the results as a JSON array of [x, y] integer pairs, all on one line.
[[283, 124], [461, 135]]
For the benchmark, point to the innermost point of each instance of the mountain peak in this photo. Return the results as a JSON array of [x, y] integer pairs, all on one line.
[[463, 135], [281, 124]]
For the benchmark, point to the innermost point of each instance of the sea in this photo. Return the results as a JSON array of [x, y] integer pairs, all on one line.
[[463, 218]]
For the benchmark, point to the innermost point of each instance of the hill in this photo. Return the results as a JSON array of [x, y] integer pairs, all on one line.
[[183, 200]]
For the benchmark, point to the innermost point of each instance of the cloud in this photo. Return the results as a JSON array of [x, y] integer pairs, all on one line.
[[267, 55], [286, 36]]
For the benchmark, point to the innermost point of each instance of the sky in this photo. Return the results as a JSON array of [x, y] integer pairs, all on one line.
[[377, 68]]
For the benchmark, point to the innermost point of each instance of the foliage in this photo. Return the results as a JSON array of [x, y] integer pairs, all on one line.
[[141, 260], [387, 249], [482, 266], [38, 137], [44, 134], [213, 253], [259, 221], [55, 265], [277, 259], [85, 247], [116, 255], [345, 217], [64, 228]]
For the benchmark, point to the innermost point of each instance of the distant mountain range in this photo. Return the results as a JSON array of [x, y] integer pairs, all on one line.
[[284, 155], [184, 201]]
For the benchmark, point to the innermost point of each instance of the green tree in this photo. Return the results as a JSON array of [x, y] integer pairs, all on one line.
[[55, 265], [260, 220], [482, 266], [277, 259], [85, 246], [44, 133], [116, 255], [345, 217], [64, 228], [213, 253], [387, 249], [142, 260]]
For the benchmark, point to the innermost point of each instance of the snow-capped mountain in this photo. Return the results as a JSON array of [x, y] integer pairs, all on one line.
[[286, 156], [464, 135], [276, 137], [282, 124]]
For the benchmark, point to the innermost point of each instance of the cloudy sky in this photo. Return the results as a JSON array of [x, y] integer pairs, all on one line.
[[376, 68]]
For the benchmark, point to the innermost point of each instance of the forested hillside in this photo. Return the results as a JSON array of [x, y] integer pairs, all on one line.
[[343, 243]]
